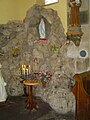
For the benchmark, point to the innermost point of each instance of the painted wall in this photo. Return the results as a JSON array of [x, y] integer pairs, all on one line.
[[16, 10], [61, 7]]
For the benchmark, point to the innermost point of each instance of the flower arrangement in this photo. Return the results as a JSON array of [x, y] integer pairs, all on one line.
[[44, 77], [15, 51]]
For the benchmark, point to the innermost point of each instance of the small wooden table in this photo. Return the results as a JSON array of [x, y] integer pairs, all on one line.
[[30, 104]]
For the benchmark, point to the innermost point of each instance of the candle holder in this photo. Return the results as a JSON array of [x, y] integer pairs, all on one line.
[[26, 73]]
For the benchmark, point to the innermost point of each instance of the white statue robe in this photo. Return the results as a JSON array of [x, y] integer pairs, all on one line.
[[42, 29], [3, 94]]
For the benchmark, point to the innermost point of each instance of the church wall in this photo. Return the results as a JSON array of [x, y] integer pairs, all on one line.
[[82, 64], [16, 10]]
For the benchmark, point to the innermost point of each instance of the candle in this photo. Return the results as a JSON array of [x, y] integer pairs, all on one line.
[[29, 69], [26, 71], [23, 71], [24, 66]]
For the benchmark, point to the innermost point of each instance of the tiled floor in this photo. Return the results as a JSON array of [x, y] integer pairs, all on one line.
[[14, 109]]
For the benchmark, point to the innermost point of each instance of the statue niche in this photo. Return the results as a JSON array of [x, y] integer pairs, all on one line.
[[42, 29]]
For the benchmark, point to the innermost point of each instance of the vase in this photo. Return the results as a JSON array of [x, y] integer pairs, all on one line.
[[44, 84]]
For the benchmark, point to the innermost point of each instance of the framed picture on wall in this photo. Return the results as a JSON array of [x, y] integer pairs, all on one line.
[[46, 2]]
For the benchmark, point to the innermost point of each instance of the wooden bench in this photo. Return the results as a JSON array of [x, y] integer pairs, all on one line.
[[81, 90]]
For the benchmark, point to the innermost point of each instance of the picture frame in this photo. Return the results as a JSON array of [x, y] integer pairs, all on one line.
[[46, 2]]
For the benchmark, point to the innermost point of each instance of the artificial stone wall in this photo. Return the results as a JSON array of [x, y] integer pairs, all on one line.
[[82, 61], [18, 45]]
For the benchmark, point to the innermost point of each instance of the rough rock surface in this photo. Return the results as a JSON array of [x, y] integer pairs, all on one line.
[[18, 46]]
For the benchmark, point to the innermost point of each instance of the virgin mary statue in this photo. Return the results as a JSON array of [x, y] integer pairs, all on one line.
[[42, 29], [3, 94]]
